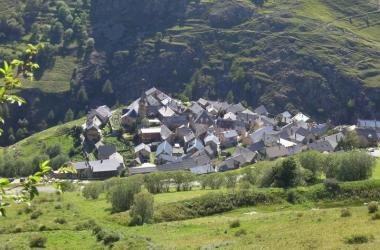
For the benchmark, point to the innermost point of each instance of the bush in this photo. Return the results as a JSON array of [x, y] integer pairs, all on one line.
[[60, 220], [68, 186], [355, 165], [42, 227], [287, 174], [235, 224], [58, 206], [357, 239], [35, 215], [373, 207], [376, 216], [110, 238], [37, 240], [332, 185], [122, 194], [142, 209], [53, 150], [240, 232], [92, 190], [345, 212], [87, 225], [294, 197]]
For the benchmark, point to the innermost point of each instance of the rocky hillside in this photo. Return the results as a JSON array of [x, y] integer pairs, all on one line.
[[321, 57]]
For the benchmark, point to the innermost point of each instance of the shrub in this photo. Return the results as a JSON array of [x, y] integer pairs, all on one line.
[[68, 186], [240, 232], [58, 206], [87, 225], [235, 224], [332, 185], [42, 227], [355, 165], [92, 190], [345, 212], [294, 197], [37, 240], [287, 173], [142, 209], [35, 215], [60, 220], [53, 150], [110, 238], [376, 216], [357, 239], [373, 207], [100, 235], [122, 194]]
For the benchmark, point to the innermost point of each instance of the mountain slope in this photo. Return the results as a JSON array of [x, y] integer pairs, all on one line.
[[302, 55], [320, 57]]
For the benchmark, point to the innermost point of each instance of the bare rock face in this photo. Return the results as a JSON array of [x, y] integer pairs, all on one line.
[[228, 13]]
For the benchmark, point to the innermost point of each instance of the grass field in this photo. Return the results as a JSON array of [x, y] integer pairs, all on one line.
[[264, 227], [32, 146], [376, 172], [58, 78]]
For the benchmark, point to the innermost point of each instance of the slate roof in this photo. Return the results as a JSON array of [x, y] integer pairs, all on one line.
[[248, 155], [104, 113], [276, 151], [203, 102], [105, 151], [152, 101], [164, 148], [177, 166], [236, 108], [195, 144], [230, 116], [334, 139], [261, 110], [202, 169], [175, 121], [258, 135], [321, 146], [230, 134], [166, 111], [258, 146], [143, 169], [101, 165], [142, 146], [166, 133], [151, 91], [212, 138], [196, 108], [301, 117], [368, 123]]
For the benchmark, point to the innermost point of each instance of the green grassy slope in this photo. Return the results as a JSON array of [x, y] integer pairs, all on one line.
[[269, 227], [36, 144]]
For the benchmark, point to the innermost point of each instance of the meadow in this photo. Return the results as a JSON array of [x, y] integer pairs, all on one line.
[[62, 219]]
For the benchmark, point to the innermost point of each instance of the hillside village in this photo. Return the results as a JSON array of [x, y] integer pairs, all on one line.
[[205, 136]]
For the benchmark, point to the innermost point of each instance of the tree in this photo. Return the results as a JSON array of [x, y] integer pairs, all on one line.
[[56, 33], [69, 116], [259, 3], [142, 209], [355, 165], [230, 97], [287, 173], [51, 116], [90, 45], [68, 37], [349, 142], [313, 161], [107, 88], [122, 194], [10, 80], [82, 95]]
